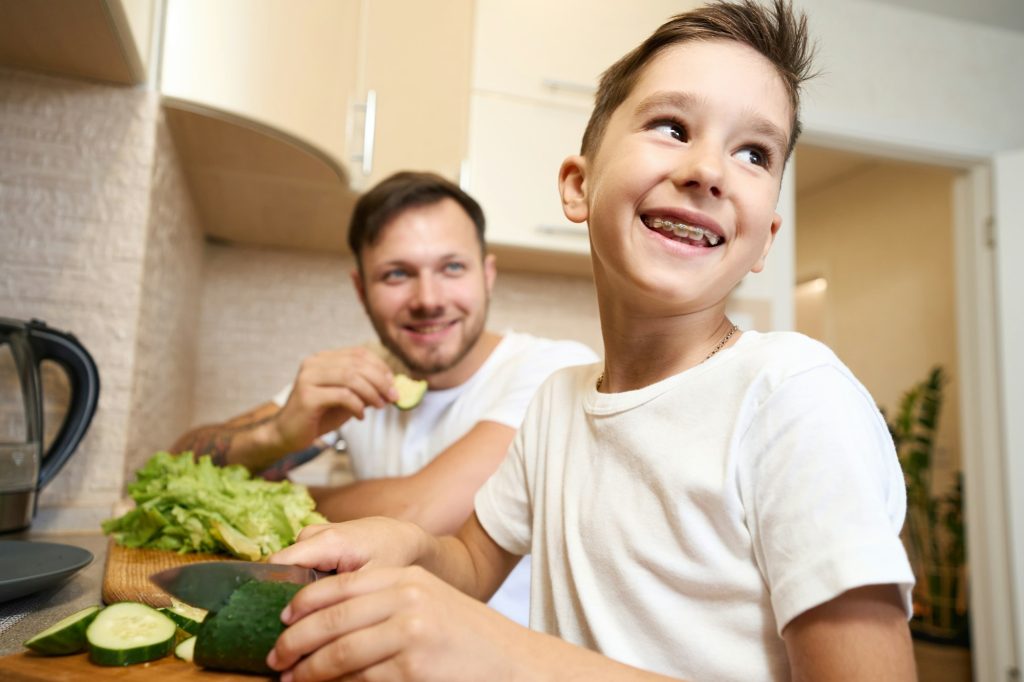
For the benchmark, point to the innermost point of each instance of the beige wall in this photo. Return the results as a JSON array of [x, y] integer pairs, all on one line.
[[882, 238], [166, 344], [74, 199], [264, 310]]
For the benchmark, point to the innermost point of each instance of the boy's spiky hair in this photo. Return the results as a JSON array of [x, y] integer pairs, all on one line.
[[772, 29]]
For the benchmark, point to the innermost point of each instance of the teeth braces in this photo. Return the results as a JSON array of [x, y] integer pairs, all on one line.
[[686, 231]]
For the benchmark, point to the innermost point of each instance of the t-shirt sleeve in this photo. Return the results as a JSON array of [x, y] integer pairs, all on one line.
[[502, 504], [823, 492], [520, 379]]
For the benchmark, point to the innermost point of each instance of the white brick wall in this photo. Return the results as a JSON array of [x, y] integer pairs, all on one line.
[[81, 249]]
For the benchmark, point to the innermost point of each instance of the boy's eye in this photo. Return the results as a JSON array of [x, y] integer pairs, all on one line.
[[754, 155], [670, 128]]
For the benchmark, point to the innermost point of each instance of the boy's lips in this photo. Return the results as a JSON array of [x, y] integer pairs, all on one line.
[[688, 228]]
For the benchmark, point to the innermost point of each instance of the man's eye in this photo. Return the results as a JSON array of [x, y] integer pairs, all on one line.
[[396, 275], [670, 128], [754, 155], [454, 268]]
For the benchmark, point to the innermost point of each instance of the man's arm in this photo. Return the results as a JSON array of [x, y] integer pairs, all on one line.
[[244, 439], [330, 388], [439, 497], [860, 635]]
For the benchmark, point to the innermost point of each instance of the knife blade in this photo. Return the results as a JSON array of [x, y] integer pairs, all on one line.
[[208, 584]]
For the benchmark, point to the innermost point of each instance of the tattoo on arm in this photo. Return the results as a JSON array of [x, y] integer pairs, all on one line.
[[216, 441]]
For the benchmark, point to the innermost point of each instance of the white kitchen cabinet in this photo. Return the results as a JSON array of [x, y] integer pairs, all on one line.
[[516, 147], [310, 68], [536, 66], [556, 51]]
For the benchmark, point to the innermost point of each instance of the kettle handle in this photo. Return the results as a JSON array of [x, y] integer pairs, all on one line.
[[65, 349]]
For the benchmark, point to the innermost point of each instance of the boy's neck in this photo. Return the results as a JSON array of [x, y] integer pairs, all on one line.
[[642, 350]]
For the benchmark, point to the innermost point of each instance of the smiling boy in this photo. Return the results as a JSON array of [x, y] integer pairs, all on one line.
[[708, 504]]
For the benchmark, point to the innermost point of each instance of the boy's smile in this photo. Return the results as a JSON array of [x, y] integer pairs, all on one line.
[[680, 196]]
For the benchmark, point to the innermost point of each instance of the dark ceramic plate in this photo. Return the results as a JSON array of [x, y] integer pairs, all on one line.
[[27, 567]]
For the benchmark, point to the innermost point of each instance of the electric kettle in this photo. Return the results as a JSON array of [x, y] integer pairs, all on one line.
[[25, 467]]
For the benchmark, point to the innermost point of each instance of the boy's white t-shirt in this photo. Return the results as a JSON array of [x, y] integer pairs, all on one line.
[[679, 527], [392, 442]]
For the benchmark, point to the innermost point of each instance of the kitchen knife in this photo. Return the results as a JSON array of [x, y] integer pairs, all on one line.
[[208, 584]]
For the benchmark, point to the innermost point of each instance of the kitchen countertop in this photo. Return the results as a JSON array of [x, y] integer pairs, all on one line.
[[23, 617]]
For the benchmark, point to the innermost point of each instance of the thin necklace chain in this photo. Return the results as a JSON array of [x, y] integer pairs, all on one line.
[[718, 347]]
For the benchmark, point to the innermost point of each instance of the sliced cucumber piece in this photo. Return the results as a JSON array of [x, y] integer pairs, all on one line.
[[66, 636], [186, 649], [410, 392], [127, 633], [183, 621]]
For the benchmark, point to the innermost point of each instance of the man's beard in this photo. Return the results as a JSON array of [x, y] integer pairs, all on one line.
[[429, 367]]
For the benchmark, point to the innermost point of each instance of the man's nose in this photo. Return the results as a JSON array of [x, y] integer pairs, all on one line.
[[703, 169], [427, 296]]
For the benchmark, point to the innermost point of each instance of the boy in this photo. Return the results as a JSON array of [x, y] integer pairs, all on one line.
[[710, 504]]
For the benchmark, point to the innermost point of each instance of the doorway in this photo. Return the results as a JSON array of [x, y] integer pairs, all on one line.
[[876, 280]]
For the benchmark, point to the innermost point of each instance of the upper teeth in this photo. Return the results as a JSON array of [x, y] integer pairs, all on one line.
[[684, 230]]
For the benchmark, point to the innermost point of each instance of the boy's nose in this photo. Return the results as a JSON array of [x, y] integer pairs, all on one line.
[[701, 170]]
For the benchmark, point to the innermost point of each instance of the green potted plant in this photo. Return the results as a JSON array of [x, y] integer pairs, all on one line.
[[934, 528]]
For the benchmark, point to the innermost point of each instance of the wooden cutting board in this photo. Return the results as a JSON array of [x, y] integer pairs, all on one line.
[[29, 667], [126, 575]]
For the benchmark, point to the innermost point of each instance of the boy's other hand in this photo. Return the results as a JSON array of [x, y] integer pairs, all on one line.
[[343, 547], [394, 624]]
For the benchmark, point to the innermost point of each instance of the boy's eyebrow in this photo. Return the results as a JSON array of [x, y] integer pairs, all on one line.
[[686, 100]]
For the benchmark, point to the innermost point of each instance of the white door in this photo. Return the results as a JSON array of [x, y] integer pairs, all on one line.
[[1008, 213]]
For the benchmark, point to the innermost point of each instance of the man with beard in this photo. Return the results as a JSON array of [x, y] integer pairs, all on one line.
[[425, 282]]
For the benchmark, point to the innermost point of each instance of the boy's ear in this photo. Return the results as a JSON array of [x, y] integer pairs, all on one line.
[[776, 224], [572, 188]]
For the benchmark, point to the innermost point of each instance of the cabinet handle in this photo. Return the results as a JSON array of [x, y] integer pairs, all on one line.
[[369, 110], [564, 230], [569, 86]]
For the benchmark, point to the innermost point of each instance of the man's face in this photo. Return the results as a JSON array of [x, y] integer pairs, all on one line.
[[426, 287], [680, 196]]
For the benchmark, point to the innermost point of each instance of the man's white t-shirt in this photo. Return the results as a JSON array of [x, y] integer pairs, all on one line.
[[679, 527], [392, 442]]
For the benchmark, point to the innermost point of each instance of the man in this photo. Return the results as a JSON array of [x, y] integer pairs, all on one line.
[[425, 282]]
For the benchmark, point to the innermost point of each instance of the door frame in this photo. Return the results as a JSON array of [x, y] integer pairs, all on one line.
[[990, 578]]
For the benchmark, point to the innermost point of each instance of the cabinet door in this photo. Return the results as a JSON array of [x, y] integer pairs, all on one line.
[[291, 65], [418, 64], [557, 50], [515, 150]]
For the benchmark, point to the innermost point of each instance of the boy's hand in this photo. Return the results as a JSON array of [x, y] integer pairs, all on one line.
[[394, 624], [352, 545]]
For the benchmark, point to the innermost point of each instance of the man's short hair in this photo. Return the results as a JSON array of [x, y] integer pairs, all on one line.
[[771, 29], [398, 193]]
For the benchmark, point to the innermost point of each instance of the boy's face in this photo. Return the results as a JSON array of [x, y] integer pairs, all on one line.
[[426, 287], [699, 143]]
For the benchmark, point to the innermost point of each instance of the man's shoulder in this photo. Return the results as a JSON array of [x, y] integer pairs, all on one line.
[[519, 347]]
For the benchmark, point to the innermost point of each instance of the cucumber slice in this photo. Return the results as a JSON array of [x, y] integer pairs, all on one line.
[[128, 632], [66, 636], [410, 392], [183, 621], [186, 649]]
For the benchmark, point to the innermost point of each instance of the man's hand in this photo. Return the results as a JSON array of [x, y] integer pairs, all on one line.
[[330, 388], [394, 624], [350, 546]]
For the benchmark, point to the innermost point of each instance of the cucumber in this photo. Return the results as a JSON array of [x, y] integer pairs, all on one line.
[[239, 636], [186, 650], [66, 636], [410, 392], [127, 633], [184, 621]]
